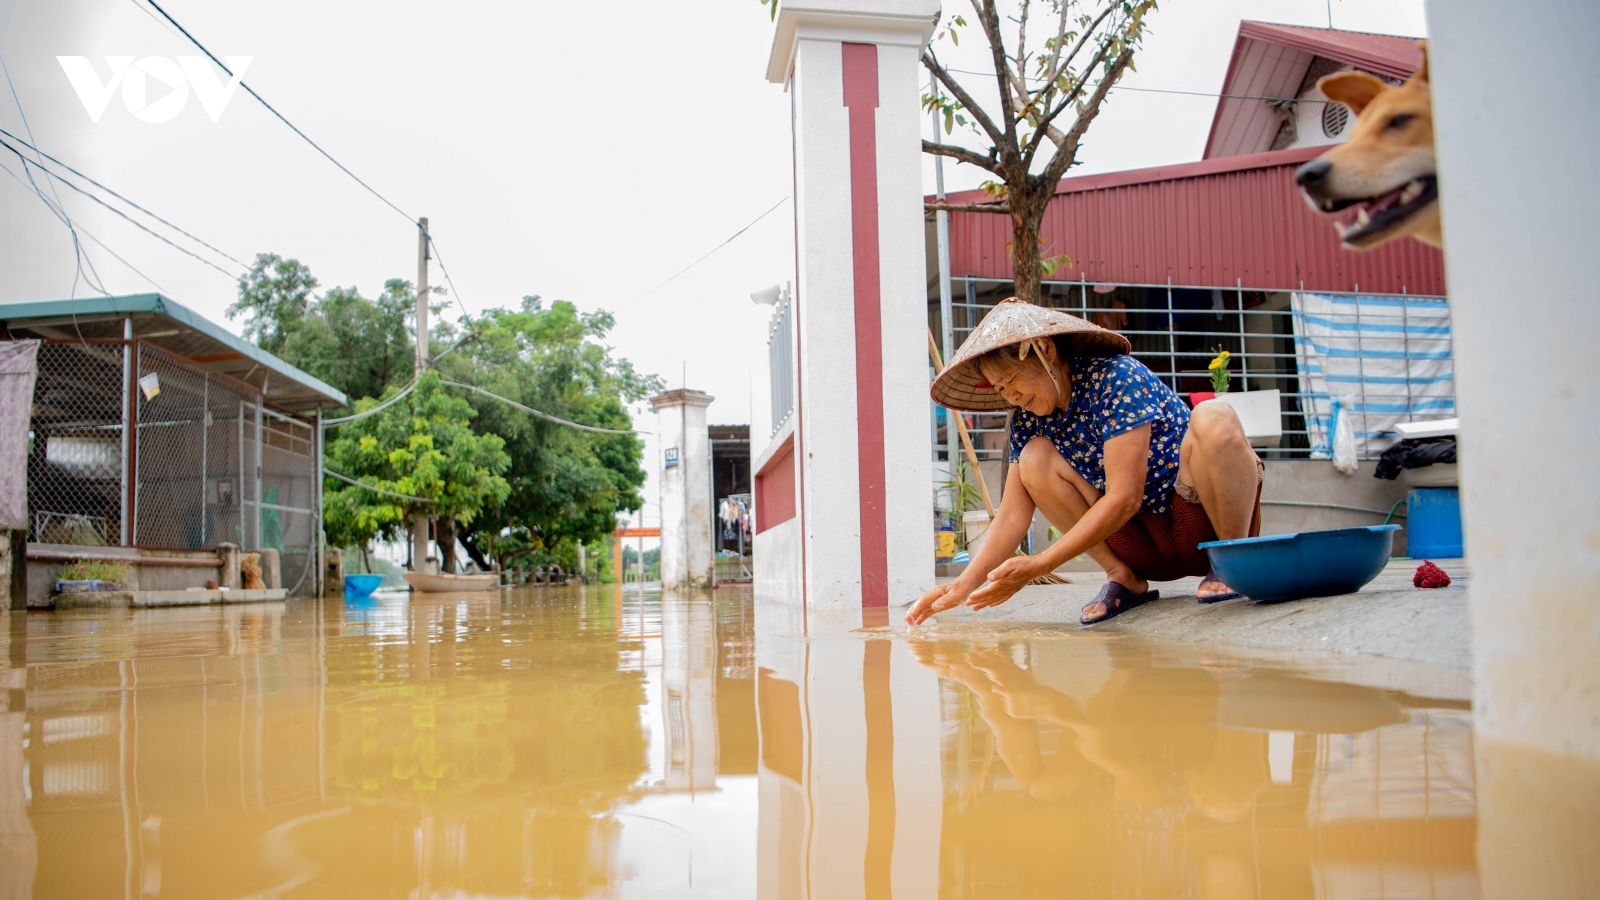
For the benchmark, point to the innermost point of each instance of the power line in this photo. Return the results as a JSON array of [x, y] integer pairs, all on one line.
[[251, 91], [342, 167], [543, 415], [91, 237], [1145, 90], [713, 250], [123, 199], [447, 279], [378, 490], [139, 225], [60, 211]]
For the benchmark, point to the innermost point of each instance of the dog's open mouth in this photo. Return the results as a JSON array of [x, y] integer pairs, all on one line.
[[1376, 216]]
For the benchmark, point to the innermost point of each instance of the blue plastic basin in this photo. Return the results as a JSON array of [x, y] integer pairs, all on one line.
[[361, 585], [1305, 564]]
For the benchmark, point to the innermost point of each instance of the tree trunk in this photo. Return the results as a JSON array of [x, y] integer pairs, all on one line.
[[1027, 210], [477, 554], [444, 531]]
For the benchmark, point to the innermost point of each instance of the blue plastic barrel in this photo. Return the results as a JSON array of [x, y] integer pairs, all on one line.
[[1433, 523]]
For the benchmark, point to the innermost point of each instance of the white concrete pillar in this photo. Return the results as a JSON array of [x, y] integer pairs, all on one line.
[[1518, 187], [685, 487], [1519, 251], [865, 505]]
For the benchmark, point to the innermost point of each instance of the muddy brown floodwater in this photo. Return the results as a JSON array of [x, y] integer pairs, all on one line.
[[597, 742]]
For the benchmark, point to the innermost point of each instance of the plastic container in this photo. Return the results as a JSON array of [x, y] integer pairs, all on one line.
[[1433, 522], [976, 524], [1305, 564], [356, 586]]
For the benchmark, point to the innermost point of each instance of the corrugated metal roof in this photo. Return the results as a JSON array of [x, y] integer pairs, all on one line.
[[1215, 223], [196, 338], [1270, 60], [1386, 54]]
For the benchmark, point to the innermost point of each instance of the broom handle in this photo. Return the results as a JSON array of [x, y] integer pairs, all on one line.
[[961, 429]]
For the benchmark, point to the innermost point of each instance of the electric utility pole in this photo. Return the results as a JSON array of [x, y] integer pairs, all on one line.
[[419, 520]]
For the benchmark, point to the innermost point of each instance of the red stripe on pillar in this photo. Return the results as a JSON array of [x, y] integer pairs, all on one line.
[[861, 98]]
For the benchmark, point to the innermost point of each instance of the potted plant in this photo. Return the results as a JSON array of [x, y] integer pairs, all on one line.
[[1261, 412], [92, 575]]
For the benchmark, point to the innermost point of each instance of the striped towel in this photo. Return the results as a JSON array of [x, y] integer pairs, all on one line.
[[1390, 356]]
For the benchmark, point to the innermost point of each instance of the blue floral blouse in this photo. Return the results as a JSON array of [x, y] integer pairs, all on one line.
[[1111, 396]]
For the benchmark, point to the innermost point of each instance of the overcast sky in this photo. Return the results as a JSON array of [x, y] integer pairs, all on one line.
[[580, 151]]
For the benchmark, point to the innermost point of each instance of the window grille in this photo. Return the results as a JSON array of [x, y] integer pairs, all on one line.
[[1389, 355]]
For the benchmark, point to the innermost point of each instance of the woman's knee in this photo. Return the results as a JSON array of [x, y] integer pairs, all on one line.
[[1037, 461], [1216, 424]]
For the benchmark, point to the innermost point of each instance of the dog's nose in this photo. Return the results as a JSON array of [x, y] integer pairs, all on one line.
[[1313, 173]]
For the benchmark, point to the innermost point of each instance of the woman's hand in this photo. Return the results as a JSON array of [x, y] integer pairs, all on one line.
[[1006, 579], [941, 598]]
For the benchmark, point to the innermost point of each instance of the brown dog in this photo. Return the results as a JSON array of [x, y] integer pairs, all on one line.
[[1386, 169]]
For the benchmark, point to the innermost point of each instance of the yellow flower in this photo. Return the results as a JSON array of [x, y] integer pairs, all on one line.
[[1215, 363]]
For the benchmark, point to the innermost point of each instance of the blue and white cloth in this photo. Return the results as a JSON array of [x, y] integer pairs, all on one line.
[[1111, 396], [1388, 359]]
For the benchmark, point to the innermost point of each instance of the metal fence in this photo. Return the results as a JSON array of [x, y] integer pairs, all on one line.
[[780, 361], [1176, 331], [132, 445]]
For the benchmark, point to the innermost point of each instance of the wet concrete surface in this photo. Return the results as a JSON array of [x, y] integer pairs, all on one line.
[[609, 743], [1388, 618]]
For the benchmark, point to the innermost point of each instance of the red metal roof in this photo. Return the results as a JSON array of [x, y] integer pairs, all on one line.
[[1214, 223], [1385, 54], [1270, 60]]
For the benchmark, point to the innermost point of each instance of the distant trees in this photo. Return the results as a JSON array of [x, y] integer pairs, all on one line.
[[358, 345], [512, 487]]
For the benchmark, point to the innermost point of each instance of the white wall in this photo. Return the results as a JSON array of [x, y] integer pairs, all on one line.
[[1520, 187]]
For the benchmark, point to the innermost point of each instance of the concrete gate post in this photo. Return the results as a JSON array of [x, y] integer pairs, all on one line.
[[685, 488], [1518, 206], [864, 483]]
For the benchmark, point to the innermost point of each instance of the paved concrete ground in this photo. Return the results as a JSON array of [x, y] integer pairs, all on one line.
[[1399, 636]]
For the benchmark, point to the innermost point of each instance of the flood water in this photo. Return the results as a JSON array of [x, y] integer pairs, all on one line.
[[606, 743]]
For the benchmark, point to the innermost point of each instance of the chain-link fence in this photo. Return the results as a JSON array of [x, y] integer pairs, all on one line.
[[210, 463], [75, 444]]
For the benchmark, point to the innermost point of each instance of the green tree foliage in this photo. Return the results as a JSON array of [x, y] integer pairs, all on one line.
[[424, 446], [567, 485], [359, 346], [541, 491]]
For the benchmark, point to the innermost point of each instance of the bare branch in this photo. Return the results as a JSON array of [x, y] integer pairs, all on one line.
[[1022, 49], [935, 205], [1010, 149], [1055, 49], [1058, 165], [961, 154], [1056, 137], [970, 105], [1058, 64]]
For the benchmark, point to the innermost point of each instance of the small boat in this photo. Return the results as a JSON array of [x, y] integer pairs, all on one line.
[[429, 583]]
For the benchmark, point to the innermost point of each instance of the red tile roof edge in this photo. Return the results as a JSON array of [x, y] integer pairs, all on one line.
[[1153, 174]]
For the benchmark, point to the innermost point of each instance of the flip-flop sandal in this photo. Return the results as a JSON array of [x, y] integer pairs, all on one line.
[[1211, 578], [1118, 600]]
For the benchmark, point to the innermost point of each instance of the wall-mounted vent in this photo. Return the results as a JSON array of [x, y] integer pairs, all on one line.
[[1335, 118]]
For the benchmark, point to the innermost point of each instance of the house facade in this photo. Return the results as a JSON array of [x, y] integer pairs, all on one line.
[[1224, 254]]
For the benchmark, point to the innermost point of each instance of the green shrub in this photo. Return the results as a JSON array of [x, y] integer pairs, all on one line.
[[94, 570]]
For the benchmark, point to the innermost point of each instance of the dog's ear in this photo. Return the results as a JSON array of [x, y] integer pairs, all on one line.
[[1421, 74], [1353, 89]]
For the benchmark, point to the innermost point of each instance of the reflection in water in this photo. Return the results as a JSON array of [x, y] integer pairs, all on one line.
[[596, 742], [1175, 779]]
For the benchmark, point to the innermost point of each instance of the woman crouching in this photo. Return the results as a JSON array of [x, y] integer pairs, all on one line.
[[1107, 452]]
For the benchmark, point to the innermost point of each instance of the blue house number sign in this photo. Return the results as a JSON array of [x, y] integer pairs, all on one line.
[[672, 457]]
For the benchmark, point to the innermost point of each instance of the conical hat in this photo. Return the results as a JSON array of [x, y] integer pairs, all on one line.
[[962, 386]]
